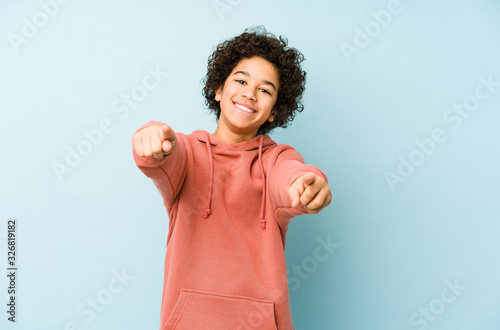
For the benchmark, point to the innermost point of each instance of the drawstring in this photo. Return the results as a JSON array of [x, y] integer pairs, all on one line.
[[263, 202], [263, 178], [210, 158]]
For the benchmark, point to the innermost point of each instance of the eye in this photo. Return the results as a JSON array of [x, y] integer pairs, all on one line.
[[240, 81], [265, 91]]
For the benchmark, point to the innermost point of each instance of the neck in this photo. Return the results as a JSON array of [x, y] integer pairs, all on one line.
[[232, 137]]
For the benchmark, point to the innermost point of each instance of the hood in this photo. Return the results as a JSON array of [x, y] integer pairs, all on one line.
[[259, 143]]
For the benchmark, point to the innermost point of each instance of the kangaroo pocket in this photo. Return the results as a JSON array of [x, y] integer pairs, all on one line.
[[196, 309]]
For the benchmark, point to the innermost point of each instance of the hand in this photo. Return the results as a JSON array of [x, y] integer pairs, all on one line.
[[310, 191], [156, 141]]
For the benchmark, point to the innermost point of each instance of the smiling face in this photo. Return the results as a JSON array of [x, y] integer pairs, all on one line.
[[247, 99]]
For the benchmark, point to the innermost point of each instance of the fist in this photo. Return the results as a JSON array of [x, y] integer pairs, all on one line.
[[310, 191], [156, 141]]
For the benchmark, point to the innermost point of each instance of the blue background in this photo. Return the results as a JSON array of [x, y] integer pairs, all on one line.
[[398, 250]]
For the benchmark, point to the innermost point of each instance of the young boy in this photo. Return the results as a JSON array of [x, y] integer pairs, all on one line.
[[230, 195]]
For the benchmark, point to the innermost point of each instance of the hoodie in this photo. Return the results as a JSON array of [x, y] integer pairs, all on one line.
[[229, 211]]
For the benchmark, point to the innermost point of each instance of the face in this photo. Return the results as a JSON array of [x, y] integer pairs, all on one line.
[[248, 97]]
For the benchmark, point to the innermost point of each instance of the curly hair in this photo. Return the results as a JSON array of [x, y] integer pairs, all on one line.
[[252, 42]]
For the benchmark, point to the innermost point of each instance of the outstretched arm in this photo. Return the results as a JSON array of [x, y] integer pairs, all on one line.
[[161, 155]]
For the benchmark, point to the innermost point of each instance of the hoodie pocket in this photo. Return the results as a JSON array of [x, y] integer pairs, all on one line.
[[196, 309]]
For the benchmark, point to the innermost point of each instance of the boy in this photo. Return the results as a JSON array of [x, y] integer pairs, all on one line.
[[230, 195]]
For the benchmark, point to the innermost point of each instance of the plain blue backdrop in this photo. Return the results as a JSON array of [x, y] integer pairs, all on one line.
[[401, 113]]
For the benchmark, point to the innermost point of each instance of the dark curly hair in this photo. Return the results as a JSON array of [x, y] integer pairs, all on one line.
[[252, 42]]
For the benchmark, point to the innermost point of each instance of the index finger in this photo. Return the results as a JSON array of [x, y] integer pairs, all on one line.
[[309, 178], [167, 133]]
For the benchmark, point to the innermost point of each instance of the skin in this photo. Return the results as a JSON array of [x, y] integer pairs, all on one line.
[[253, 83]]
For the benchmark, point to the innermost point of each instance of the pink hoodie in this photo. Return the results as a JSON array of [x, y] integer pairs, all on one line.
[[229, 212]]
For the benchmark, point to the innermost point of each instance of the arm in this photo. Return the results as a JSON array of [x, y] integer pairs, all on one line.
[[297, 188], [160, 154]]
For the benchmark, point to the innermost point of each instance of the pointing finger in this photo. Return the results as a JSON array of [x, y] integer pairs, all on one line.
[[167, 133], [309, 178]]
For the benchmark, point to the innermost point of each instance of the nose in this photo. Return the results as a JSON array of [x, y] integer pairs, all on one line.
[[249, 93]]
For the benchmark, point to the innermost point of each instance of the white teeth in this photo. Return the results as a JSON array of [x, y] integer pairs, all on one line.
[[239, 106]]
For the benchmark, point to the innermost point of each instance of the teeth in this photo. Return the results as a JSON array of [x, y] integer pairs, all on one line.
[[239, 106]]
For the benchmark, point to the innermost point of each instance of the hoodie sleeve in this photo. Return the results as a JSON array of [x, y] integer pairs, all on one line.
[[289, 165], [168, 173]]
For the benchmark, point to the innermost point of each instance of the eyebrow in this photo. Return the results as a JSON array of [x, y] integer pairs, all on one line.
[[267, 82]]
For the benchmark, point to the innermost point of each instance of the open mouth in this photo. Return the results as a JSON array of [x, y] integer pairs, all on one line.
[[244, 108]]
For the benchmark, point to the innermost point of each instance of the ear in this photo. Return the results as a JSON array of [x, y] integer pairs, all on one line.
[[218, 94], [271, 116]]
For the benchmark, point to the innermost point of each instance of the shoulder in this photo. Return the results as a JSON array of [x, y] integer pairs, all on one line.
[[187, 138], [282, 151]]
